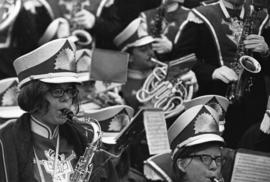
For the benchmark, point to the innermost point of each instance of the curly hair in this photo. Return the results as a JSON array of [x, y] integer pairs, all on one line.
[[32, 99]]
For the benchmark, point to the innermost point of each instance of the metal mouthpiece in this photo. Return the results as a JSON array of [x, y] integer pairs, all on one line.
[[216, 180], [69, 114], [158, 62]]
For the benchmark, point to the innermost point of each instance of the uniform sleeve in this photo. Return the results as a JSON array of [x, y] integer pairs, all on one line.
[[196, 38], [265, 60], [3, 175]]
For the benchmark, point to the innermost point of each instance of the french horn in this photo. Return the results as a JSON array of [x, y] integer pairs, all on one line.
[[9, 10], [168, 95]]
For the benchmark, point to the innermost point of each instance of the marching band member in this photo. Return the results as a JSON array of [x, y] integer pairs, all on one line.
[[165, 21], [41, 145], [135, 40], [196, 149], [81, 21], [214, 32]]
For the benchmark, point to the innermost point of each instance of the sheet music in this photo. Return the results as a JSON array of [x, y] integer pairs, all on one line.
[[156, 132], [250, 167]]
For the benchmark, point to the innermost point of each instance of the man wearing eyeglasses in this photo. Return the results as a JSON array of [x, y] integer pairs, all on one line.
[[196, 154], [196, 145]]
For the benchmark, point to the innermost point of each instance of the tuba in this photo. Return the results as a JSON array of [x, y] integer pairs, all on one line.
[[9, 9], [92, 130], [166, 94], [244, 64]]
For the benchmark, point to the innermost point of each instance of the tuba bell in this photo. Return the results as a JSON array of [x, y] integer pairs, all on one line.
[[9, 9], [165, 92]]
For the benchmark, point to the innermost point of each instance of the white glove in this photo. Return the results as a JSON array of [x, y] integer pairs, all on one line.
[[162, 45], [190, 79], [225, 74], [256, 43], [85, 19]]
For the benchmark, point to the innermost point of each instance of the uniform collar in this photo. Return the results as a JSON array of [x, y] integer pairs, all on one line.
[[138, 74], [42, 129], [226, 13]]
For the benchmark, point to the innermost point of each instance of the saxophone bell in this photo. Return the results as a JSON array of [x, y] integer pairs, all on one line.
[[82, 37], [250, 64]]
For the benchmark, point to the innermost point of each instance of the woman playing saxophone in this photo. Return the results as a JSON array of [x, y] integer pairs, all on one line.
[[43, 145]]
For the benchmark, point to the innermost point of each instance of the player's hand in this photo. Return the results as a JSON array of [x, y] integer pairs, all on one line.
[[225, 74]]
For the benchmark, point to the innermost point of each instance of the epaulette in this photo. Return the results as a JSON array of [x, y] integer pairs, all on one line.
[[193, 18]]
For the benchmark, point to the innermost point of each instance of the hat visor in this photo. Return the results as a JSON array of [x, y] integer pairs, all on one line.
[[89, 107], [205, 138], [110, 111], [61, 80], [141, 42], [83, 77], [10, 112]]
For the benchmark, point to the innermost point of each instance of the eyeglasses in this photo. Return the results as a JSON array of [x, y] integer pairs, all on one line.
[[208, 159], [59, 92]]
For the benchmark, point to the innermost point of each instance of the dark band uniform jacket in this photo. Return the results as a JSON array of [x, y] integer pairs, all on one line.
[[211, 34], [17, 149]]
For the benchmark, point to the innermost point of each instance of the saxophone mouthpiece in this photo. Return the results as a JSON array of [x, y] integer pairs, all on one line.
[[214, 179], [158, 62], [68, 113]]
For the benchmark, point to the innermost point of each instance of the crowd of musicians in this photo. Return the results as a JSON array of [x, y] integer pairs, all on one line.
[[203, 65]]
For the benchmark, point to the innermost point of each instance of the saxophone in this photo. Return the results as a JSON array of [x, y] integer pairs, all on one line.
[[82, 37], [244, 64], [157, 28], [84, 166]]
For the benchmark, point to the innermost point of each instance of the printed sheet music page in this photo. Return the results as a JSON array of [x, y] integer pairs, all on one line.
[[156, 132], [251, 166]]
